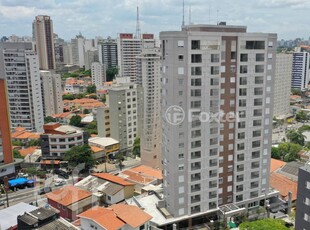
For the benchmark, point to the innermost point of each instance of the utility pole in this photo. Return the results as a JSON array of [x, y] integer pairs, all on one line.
[[6, 189]]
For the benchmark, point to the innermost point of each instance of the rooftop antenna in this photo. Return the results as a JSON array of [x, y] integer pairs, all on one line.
[[138, 30], [183, 22], [217, 16], [190, 15], [209, 14]]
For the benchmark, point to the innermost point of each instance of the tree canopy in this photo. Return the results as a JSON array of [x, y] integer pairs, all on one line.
[[270, 224], [296, 137], [49, 119], [80, 154], [286, 152], [111, 73], [75, 120], [136, 147], [91, 89], [16, 154], [301, 116]]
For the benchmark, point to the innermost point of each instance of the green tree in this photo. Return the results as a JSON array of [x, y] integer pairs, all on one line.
[[68, 97], [270, 224], [17, 143], [275, 153], [34, 142], [49, 119], [93, 96], [76, 121], [16, 154], [296, 137], [111, 73], [304, 128], [85, 111], [136, 147], [289, 151], [103, 98], [301, 116], [80, 154], [91, 89], [80, 95], [92, 128], [296, 92]]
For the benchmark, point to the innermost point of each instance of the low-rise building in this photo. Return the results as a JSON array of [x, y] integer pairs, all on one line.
[[58, 139], [108, 188], [83, 103], [109, 145], [118, 216], [43, 219], [70, 201], [23, 135]]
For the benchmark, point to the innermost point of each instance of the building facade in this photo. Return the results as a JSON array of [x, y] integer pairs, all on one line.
[[124, 109], [52, 93], [78, 51], [302, 220], [98, 75], [6, 154], [149, 78], [58, 139], [227, 75], [282, 84], [108, 52], [300, 70], [90, 57], [44, 38], [128, 48], [20, 67]]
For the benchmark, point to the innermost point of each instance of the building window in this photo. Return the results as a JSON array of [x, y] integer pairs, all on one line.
[[181, 57], [196, 58], [196, 71], [255, 45], [243, 57], [195, 44], [243, 69]]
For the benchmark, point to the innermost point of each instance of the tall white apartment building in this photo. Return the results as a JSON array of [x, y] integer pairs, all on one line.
[[52, 93], [300, 70], [19, 65], [282, 84], [149, 77], [90, 56], [128, 48], [98, 75], [78, 51], [207, 163], [44, 38], [67, 54]]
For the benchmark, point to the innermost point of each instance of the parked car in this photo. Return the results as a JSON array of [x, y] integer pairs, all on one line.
[[61, 173], [2, 202], [60, 183], [44, 190]]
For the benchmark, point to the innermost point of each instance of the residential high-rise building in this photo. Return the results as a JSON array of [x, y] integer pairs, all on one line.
[[149, 77], [98, 74], [108, 52], [282, 84], [128, 48], [90, 56], [300, 70], [67, 54], [6, 154], [20, 67], [124, 114], [217, 106], [59, 52], [77, 46], [302, 220], [44, 38], [52, 93]]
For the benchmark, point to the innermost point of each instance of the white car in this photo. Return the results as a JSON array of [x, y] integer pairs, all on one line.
[[60, 183]]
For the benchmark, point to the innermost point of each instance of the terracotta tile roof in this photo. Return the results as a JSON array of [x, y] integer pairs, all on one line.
[[283, 185], [61, 115], [137, 178], [276, 164], [24, 134], [148, 171], [112, 178], [68, 195], [96, 149], [295, 97], [26, 151], [104, 217], [130, 214]]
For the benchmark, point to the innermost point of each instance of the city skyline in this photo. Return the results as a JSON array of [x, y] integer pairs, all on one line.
[[94, 18]]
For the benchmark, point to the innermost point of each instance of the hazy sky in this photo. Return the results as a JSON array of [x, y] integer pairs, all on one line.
[[288, 18]]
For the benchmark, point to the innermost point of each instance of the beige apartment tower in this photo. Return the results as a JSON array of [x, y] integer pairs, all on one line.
[[217, 106]]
